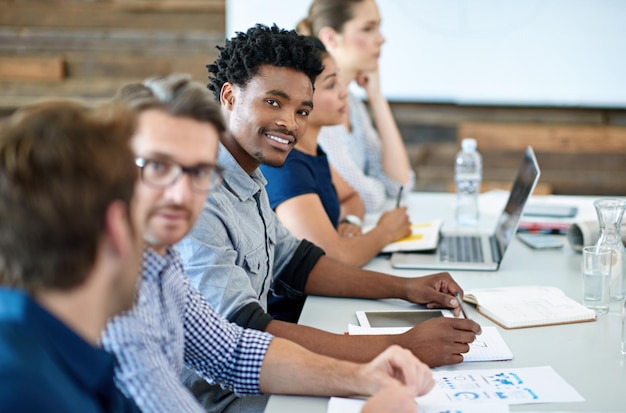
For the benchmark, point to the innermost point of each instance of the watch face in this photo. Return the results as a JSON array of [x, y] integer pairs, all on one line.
[[353, 219]]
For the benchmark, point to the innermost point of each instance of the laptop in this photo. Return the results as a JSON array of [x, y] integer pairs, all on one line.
[[480, 252]]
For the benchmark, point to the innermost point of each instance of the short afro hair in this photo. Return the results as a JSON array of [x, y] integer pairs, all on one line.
[[240, 58]]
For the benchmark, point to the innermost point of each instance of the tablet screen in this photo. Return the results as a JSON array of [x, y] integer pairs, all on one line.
[[399, 318]]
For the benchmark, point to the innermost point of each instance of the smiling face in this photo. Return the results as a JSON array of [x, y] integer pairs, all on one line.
[[170, 213], [329, 98], [357, 47], [267, 116]]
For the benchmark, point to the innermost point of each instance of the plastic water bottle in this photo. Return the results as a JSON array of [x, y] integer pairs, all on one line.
[[468, 174]]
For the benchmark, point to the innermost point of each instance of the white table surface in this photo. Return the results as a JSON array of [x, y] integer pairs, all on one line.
[[586, 355]]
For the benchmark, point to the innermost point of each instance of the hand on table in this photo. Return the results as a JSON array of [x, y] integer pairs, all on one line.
[[345, 229], [394, 398], [397, 366]]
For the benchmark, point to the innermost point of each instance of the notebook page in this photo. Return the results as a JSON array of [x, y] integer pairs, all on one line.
[[536, 311]]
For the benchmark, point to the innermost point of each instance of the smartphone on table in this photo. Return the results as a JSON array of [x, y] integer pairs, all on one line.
[[540, 241]]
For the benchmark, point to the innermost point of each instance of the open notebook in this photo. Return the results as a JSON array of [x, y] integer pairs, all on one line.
[[528, 306]]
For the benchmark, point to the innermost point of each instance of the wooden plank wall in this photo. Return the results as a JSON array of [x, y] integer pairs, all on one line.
[[88, 49], [574, 159], [555, 138], [580, 150], [32, 68]]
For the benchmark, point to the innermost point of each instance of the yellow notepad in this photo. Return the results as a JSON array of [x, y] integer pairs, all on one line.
[[424, 236], [528, 306]]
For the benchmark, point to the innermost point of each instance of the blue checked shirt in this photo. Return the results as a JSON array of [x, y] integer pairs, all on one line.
[[172, 327]]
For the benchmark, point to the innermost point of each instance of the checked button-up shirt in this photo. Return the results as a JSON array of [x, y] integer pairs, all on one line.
[[172, 327]]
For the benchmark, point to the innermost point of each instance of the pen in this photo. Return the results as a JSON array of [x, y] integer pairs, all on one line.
[[548, 231], [544, 228], [399, 196], [458, 299]]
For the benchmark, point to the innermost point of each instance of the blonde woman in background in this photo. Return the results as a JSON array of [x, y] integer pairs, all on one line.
[[310, 197], [371, 159]]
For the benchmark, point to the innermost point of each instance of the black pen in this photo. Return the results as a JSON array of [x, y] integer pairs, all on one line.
[[458, 299], [399, 196]]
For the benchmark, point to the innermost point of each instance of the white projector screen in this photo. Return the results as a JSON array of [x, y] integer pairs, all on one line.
[[486, 52]]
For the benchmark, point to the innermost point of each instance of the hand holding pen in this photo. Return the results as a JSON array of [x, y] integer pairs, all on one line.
[[461, 306], [396, 221], [399, 196]]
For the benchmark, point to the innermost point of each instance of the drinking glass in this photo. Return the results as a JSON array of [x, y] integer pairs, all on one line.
[[596, 270]]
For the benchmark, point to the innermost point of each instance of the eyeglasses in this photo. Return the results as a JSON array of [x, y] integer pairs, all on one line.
[[163, 173]]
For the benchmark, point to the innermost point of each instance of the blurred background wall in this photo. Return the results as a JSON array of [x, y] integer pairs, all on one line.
[[464, 68]]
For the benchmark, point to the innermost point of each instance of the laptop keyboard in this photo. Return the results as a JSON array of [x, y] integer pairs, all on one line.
[[461, 249]]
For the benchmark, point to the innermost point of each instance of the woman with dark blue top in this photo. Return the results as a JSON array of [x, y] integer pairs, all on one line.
[[303, 174], [310, 197]]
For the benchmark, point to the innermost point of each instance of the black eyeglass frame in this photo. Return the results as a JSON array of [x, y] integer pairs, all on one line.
[[216, 174]]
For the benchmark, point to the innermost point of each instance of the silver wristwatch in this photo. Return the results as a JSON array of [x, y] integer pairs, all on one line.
[[353, 219]]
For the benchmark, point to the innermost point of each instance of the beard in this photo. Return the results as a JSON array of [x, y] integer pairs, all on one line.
[[258, 156], [159, 236]]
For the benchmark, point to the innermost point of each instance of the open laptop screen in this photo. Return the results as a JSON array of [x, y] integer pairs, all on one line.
[[523, 186]]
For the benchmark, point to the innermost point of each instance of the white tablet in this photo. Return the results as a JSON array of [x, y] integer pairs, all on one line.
[[398, 318]]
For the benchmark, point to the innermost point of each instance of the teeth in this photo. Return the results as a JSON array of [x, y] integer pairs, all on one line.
[[277, 139]]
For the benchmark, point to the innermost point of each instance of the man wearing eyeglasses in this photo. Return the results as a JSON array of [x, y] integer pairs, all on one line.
[[172, 326]]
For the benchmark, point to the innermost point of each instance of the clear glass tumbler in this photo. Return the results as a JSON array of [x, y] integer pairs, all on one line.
[[596, 270]]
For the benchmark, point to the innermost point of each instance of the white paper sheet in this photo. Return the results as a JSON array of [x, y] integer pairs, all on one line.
[[341, 405], [512, 386], [478, 391], [489, 346]]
